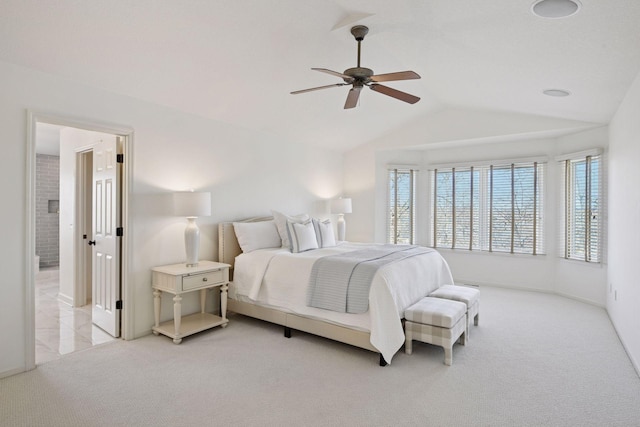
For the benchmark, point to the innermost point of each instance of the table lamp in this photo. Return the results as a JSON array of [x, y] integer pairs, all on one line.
[[341, 206], [192, 205]]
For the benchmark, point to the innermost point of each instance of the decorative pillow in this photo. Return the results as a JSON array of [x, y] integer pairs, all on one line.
[[257, 235], [281, 222], [324, 233], [302, 236]]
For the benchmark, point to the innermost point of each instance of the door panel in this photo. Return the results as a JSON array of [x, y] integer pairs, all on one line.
[[106, 219]]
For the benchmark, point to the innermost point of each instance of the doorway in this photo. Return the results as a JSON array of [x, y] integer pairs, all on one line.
[[63, 319], [66, 290]]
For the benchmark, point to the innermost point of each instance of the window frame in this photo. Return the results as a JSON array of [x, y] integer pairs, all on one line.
[[481, 241], [390, 223], [568, 220]]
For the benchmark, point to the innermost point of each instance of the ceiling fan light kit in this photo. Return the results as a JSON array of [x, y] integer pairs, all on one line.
[[359, 77]]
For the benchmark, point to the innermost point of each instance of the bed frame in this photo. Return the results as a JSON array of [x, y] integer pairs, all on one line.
[[229, 249]]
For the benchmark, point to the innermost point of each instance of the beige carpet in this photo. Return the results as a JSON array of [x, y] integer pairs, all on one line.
[[535, 360]]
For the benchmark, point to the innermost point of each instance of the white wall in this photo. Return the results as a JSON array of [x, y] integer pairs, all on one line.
[[365, 174], [547, 273], [623, 297], [247, 172], [359, 184], [452, 126]]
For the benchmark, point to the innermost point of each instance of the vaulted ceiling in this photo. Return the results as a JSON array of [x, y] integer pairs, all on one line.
[[237, 61]]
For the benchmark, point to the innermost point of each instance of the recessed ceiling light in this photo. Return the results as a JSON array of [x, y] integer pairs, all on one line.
[[556, 92], [555, 8]]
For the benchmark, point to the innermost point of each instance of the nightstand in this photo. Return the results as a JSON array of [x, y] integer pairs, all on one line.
[[178, 279]]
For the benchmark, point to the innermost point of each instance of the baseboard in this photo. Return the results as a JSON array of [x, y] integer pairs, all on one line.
[[501, 285], [584, 300], [528, 289], [634, 363], [65, 299], [12, 372]]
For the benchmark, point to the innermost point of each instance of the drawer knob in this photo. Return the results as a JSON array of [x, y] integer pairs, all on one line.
[[204, 279]]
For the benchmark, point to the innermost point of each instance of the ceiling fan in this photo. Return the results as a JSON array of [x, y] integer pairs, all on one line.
[[359, 77]]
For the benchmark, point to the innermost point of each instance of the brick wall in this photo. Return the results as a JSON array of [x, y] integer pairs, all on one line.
[[47, 209]]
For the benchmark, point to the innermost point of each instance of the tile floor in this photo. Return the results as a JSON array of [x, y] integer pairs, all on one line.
[[60, 328]]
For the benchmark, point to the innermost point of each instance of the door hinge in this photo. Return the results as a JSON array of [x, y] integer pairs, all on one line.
[[119, 305], [119, 158], [119, 232]]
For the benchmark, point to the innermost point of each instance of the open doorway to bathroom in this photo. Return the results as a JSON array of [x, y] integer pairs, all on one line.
[[61, 285], [68, 164], [63, 311]]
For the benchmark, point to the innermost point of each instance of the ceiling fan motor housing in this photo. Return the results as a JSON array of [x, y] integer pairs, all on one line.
[[359, 74]]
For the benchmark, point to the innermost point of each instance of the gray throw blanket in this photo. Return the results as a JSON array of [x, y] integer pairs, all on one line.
[[342, 282]]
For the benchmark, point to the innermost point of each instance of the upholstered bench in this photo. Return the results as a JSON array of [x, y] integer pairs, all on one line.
[[469, 296], [436, 321]]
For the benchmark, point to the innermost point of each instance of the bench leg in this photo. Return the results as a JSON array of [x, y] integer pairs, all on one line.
[[448, 355], [408, 340], [463, 339], [476, 319], [467, 329]]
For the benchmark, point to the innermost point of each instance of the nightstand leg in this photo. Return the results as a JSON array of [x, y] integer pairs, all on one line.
[[156, 308], [203, 299], [223, 303], [177, 313]]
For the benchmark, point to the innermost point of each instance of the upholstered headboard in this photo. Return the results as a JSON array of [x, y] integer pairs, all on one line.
[[228, 247]]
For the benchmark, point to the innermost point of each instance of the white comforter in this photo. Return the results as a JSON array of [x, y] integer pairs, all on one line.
[[279, 278]]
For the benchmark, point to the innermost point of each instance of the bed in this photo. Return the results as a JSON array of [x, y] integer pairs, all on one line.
[[271, 284]]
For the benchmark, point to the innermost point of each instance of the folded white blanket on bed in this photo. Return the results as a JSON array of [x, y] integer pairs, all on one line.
[[342, 282]]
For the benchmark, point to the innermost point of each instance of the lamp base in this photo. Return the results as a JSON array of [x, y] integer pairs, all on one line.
[[192, 242], [342, 227]]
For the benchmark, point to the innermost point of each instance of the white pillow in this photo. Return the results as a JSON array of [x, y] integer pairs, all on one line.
[[281, 222], [302, 236], [257, 235], [324, 233]]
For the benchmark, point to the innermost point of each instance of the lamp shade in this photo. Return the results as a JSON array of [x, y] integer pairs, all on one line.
[[341, 206], [192, 204]]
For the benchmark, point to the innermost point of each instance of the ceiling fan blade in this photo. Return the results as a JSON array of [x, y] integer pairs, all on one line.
[[352, 97], [394, 93], [401, 75], [335, 73], [317, 88]]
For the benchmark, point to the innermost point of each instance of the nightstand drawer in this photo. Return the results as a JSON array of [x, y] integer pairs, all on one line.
[[200, 280]]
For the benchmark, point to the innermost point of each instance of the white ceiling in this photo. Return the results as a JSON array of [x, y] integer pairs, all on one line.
[[237, 61]]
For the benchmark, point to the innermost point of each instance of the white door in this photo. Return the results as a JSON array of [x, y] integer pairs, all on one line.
[[106, 242]]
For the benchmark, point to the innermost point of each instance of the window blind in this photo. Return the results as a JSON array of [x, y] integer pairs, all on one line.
[[496, 207], [582, 208], [401, 206]]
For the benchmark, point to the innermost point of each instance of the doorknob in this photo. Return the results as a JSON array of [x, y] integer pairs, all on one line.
[[92, 242]]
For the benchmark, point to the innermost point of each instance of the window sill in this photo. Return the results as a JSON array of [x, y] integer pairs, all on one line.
[[491, 254], [580, 262]]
